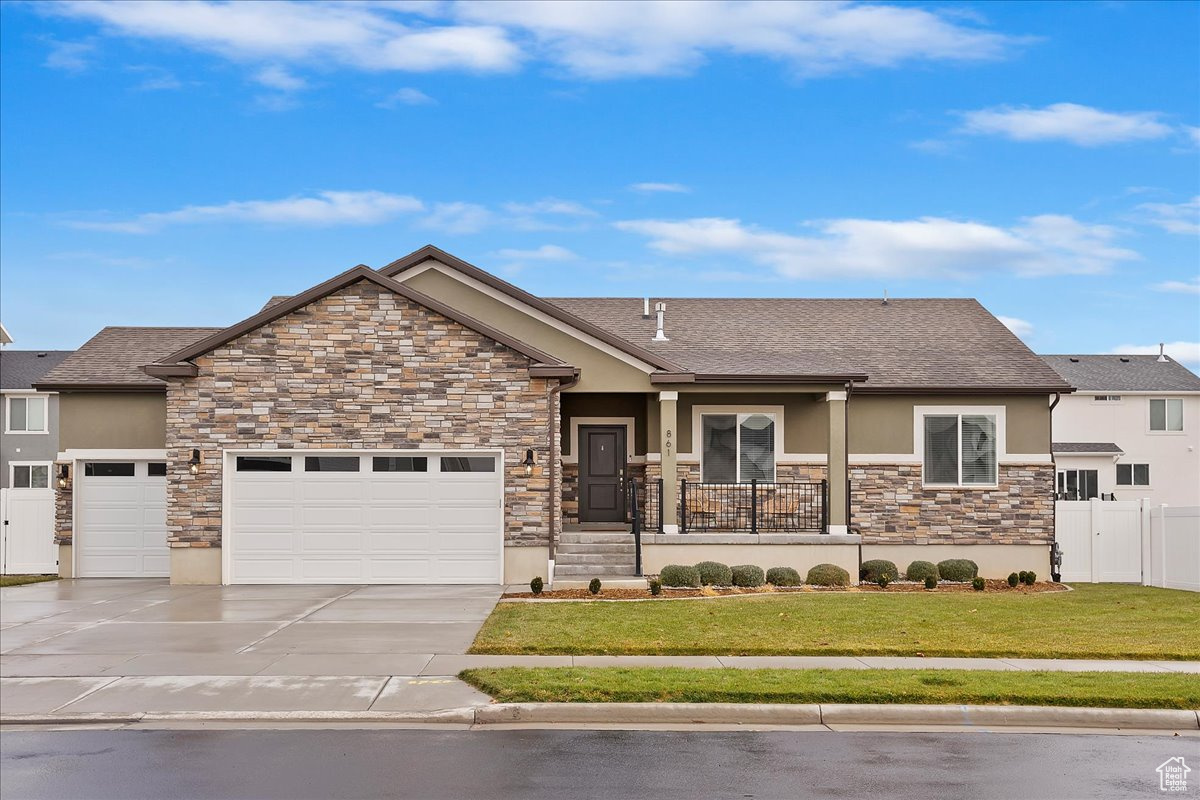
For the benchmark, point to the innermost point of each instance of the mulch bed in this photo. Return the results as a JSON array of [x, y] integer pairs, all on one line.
[[993, 586]]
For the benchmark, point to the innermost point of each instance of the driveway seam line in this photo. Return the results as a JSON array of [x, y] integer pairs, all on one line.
[[379, 693], [289, 623], [89, 692]]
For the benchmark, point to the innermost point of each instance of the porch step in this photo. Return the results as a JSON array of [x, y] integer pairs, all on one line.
[[576, 527], [581, 537], [607, 582], [589, 559], [591, 570], [590, 548]]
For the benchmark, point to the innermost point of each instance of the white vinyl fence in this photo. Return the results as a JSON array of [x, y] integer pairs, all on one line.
[[27, 536], [1129, 541]]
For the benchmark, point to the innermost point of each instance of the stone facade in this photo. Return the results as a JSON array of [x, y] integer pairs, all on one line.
[[366, 369], [889, 505], [64, 526]]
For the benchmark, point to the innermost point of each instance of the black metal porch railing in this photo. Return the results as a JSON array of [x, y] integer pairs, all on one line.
[[645, 496], [754, 507], [633, 514]]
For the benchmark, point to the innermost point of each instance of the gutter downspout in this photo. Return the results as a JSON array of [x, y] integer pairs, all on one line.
[[552, 394], [1055, 570], [849, 504]]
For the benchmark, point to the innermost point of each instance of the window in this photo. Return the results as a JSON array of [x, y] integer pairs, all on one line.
[[26, 415], [1166, 414], [960, 449], [737, 448], [108, 469], [1133, 474], [1078, 484], [31, 476], [331, 464], [157, 469], [468, 464], [1107, 398], [400, 464], [264, 463]]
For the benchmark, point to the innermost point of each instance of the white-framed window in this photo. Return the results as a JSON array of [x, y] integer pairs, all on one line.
[[1166, 414], [961, 449], [1078, 484], [1133, 474], [1107, 398], [737, 447], [29, 476], [26, 414]]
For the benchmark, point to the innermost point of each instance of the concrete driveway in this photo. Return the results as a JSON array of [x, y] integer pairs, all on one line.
[[65, 644]]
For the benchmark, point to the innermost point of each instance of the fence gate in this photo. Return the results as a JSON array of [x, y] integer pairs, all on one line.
[[1101, 541], [27, 535]]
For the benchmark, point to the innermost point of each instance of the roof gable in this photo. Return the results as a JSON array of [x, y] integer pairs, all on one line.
[[177, 363], [112, 359]]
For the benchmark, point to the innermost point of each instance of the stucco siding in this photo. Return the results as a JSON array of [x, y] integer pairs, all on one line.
[[884, 423], [112, 420]]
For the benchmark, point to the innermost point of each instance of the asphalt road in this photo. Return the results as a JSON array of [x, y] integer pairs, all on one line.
[[561, 764]]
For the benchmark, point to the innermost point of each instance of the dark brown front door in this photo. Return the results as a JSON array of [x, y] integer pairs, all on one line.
[[601, 473]]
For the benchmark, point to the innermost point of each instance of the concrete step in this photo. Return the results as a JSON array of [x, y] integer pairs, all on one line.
[[593, 549], [591, 571], [606, 581], [594, 558], [595, 538]]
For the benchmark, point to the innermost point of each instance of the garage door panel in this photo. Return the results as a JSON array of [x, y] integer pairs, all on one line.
[[417, 491], [324, 490], [264, 570], [484, 516], [454, 488], [332, 516], [252, 517], [398, 570], [398, 516], [257, 487], [266, 541], [400, 541], [332, 542], [121, 522], [331, 570]]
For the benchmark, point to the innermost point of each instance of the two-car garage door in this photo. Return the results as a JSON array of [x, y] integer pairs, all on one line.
[[364, 518]]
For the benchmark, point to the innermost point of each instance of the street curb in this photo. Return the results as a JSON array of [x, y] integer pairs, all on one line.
[[710, 713], [461, 716]]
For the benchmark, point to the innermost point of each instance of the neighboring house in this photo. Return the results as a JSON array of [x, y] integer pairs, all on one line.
[[429, 422], [30, 435], [1131, 430]]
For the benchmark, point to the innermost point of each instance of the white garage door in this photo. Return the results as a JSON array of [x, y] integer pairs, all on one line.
[[365, 518], [121, 530]]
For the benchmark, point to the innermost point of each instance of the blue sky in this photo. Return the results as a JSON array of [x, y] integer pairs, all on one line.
[[177, 163]]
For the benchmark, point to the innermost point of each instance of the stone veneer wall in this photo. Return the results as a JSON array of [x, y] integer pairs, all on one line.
[[890, 506], [64, 525], [361, 368]]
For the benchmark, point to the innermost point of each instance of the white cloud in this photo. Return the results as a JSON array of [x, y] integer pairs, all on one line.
[[1174, 217], [69, 56], [671, 37], [920, 248], [1179, 287], [551, 205], [1183, 352], [651, 187], [458, 218], [1020, 327], [406, 97], [156, 79], [325, 208], [1070, 122], [278, 78], [1192, 132], [547, 252], [586, 39]]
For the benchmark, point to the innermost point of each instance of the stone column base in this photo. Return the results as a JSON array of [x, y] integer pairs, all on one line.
[[523, 564], [195, 566], [66, 567]]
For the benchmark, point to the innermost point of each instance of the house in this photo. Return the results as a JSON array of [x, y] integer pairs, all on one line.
[[430, 422], [1131, 430], [28, 449]]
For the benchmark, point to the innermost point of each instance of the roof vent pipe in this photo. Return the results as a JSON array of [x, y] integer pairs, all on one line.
[[660, 309], [645, 308], [885, 297], [1162, 355]]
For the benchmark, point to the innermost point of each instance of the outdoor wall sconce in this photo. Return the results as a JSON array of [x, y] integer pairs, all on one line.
[[528, 462], [64, 476], [194, 463]]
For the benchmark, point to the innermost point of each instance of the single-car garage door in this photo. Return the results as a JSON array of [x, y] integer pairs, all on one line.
[[121, 526], [365, 518]]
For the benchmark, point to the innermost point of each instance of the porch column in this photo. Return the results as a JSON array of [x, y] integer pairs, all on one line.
[[838, 471], [668, 438]]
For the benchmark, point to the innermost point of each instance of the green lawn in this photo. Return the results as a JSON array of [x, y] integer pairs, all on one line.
[[678, 685], [1094, 621], [21, 580]]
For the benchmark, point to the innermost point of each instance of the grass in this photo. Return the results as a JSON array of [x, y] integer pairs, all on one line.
[[1094, 621], [976, 687], [21, 580]]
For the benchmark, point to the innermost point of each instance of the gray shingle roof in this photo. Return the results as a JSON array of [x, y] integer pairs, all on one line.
[[20, 368], [1117, 373], [115, 355], [908, 343], [1085, 447]]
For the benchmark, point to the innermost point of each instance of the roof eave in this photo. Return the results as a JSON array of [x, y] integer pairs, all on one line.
[[178, 370], [885, 389], [100, 386], [553, 371]]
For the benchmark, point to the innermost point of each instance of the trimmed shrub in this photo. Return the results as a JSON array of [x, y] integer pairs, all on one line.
[[594, 586], [959, 570], [877, 568], [883, 581], [1030, 578], [827, 575], [1013, 579], [714, 573], [977, 584], [1023, 576], [918, 571], [784, 576], [748, 575], [655, 587], [930, 582], [536, 585], [679, 576]]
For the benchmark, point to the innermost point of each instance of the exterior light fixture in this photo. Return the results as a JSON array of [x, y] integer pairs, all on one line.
[[64, 476], [194, 463], [528, 462]]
